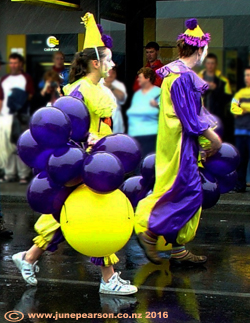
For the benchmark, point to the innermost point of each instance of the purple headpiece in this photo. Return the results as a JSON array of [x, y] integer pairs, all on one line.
[[194, 36], [107, 40]]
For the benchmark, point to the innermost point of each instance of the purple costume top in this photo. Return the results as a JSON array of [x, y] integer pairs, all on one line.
[[173, 209]]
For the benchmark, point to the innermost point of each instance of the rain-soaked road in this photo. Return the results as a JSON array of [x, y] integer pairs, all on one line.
[[68, 283]]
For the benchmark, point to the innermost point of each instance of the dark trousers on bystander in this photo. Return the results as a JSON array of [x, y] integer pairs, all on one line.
[[242, 143]]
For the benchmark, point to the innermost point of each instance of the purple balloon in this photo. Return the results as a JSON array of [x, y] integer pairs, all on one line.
[[227, 182], [65, 166], [225, 161], [148, 170], [122, 146], [36, 171], [32, 154], [135, 190], [78, 114], [214, 121], [102, 172], [208, 175], [50, 127], [211, 192], [44, 196], [59, 201]]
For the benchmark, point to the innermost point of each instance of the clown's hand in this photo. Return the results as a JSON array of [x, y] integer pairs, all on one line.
[[92, 139]]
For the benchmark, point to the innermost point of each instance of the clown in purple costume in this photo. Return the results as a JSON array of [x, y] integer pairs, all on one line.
[[173, 209]]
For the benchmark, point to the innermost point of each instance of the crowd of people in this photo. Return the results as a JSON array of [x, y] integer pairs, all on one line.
[[156, 104]]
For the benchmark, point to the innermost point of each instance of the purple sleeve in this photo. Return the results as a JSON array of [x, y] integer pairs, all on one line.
[[187, 105]]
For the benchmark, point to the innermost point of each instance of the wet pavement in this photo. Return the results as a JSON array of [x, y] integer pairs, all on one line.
[[68, 282]]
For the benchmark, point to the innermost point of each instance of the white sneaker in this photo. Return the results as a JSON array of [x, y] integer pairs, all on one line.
[[115, 286], [27, 270], [123, 281]]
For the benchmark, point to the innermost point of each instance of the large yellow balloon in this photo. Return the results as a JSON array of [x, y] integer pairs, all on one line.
[[97, 225]]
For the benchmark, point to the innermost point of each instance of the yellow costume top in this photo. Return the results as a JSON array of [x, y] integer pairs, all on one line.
[[99, 104]]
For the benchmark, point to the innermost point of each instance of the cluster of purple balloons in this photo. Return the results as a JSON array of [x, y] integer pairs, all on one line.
[[111, 158], [138, 187], [219, 174], [50, 148], [53, 148]]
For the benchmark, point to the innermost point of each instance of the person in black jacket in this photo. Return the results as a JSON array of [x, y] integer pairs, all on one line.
[[49, 94], [217, 99]]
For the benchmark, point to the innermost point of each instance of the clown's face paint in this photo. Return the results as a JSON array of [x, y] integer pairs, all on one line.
[[203, 56], [107, 63]]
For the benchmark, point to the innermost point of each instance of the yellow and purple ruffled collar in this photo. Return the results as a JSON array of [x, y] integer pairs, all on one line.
[[178, 67]]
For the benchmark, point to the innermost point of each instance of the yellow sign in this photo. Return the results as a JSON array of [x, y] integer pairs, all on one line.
[[53, 2], [52, 41]]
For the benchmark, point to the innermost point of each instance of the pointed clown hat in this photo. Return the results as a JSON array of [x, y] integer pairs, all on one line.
[[194, 36], [94, 36]]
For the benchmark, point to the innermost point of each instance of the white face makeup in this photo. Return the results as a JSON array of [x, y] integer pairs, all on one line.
[[107, 63], [203, 56]]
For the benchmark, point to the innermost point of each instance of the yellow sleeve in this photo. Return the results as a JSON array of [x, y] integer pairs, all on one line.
[[200, 74], [227, 85], [97, 101], [245, 106], [235, 105], [228, 88]]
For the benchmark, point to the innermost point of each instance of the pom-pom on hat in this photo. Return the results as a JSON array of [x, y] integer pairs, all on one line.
[[194, 36], [108, 41]]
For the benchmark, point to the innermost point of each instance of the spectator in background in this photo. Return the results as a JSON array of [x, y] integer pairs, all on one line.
[[119, 91], [16, 91], [152, 52], [1, 61], [50, 92], [240, 107], [4, 233], [59, 68], [144, 111], [219, 95]]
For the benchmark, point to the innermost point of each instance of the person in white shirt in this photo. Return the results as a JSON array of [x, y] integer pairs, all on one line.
[[4, 232], [119, 91], [19, 81]]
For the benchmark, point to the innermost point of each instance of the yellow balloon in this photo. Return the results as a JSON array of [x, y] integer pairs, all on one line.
[[97, 225]]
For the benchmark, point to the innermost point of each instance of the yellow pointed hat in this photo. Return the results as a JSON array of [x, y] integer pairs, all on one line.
[[93, 37], [194, 36]]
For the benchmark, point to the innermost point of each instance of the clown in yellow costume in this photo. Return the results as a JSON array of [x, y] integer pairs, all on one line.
[[87, 68], [173, 209]]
